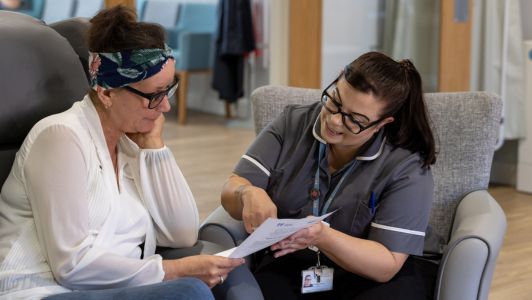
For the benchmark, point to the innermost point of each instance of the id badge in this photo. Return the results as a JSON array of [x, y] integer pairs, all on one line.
[[317, 279]]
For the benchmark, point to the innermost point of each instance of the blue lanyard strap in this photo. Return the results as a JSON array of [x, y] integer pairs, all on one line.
[[315, 195]]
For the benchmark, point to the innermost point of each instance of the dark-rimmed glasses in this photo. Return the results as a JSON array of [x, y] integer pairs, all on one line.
[[156, 98], [352, 121]]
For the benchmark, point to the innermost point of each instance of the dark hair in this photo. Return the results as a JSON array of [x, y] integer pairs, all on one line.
[[399, 84], [116, 29]]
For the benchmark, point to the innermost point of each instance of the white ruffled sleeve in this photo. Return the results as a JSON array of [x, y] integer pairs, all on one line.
[[56, 180], [168, 197]]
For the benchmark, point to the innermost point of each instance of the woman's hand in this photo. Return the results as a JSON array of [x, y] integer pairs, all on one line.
[[152, 139], [208, 268], [257, 207], [299, 240]]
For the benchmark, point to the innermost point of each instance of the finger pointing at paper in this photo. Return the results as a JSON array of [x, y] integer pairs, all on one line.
[[246, 202], [257, 207]]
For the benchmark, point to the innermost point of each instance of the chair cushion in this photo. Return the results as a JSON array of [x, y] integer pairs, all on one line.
[[7, 156], [75, 30], [466, 128]]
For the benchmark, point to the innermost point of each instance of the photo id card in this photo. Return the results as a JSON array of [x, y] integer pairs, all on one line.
[[317, 279]]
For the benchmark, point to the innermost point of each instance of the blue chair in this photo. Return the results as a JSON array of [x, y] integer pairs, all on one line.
[[57, 10], [88, 8], [193, 44], [32, 8], [190, 28], [163, 12], [139, 6]]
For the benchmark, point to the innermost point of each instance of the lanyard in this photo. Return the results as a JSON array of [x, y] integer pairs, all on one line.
[[315, 192]]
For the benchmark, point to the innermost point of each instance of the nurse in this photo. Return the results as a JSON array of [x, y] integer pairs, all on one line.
[[363, 151]]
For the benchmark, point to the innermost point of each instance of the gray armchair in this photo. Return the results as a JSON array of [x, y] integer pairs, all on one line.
[[467, 225]]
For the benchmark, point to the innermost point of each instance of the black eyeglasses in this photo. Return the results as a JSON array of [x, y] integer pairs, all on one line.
[[155, 99], [351, 121]]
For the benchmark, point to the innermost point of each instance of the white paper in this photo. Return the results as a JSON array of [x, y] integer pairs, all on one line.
[[270, 232]]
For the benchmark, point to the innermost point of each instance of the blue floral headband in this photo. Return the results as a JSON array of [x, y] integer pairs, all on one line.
[[118, 69]]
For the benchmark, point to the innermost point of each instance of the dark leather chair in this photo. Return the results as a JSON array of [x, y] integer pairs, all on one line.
[[41, 75], [75, 31]]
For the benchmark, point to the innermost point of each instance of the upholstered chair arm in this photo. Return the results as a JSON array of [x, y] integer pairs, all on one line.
[[222, 229], [469, 259]]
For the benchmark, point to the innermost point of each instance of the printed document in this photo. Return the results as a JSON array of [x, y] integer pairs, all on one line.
[[270, 232]]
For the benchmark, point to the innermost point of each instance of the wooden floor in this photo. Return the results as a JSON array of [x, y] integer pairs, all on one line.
[[207, 150], [513, 273]]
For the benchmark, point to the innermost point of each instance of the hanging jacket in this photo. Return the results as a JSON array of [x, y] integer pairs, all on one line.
[[234, 39]]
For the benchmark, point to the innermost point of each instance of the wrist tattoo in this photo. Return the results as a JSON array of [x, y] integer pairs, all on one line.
[[238, 193]]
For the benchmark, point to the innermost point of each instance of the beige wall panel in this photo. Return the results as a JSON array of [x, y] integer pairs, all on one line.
[[455, 49], [305, 43]]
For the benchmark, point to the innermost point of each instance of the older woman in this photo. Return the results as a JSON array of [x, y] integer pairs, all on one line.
[[94, 190], [363, 151]]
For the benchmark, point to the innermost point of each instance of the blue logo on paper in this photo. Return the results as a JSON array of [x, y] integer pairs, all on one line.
[[530, 54]]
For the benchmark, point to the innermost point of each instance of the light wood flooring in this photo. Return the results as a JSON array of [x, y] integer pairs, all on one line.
[[206, 149]]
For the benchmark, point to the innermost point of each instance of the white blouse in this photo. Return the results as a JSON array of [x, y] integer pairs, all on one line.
[[66, 225]]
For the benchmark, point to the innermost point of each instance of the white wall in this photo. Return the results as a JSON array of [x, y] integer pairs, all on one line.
[[507, 168], [524, 168], [349, 29], [279, 41], [201, 96], [524, 165]]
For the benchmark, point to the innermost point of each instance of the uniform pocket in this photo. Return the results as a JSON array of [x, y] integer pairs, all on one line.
[[363, 218]]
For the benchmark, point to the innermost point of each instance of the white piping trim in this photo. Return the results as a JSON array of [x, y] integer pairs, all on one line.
[[256, 163], [376, 154], [316, 135], [420, 233]]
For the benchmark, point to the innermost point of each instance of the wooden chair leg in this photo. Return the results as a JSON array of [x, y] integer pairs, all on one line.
[[228, 110], [182, 97]]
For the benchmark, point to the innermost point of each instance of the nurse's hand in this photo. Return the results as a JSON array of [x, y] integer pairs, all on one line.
[[299, 240], [257, 207]]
